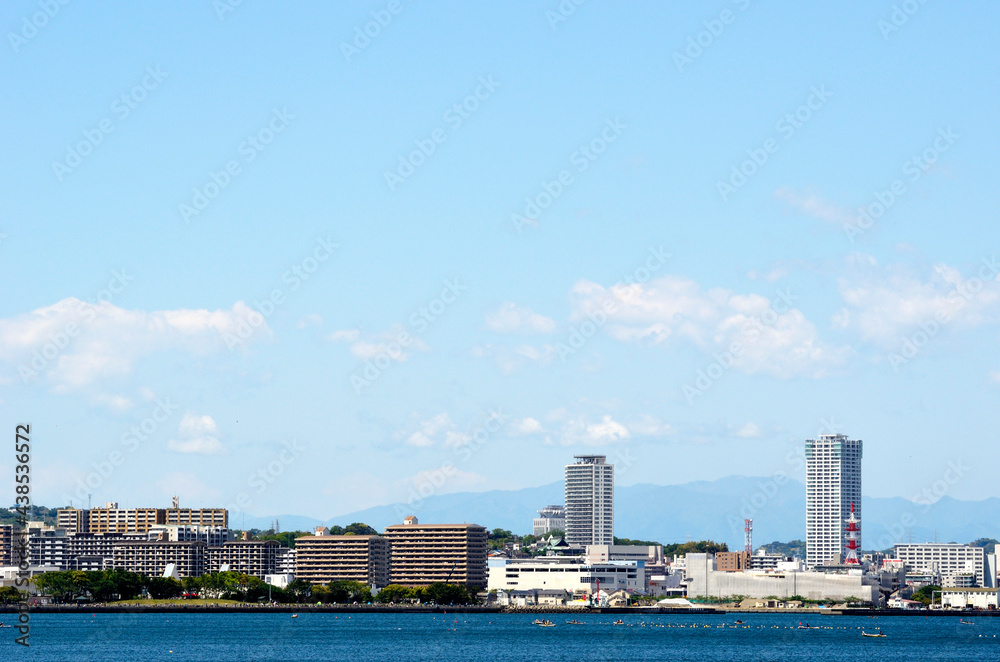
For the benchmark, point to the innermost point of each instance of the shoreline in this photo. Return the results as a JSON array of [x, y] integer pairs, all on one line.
[[476, 609]]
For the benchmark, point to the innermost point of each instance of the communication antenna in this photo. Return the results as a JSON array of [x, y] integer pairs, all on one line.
[[748, 536]]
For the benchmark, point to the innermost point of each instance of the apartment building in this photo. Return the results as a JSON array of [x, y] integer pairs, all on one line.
[[957, 565], [324, 558], [112, 519], [250, 557], [6, 544], [422, 554], [152, 558], [590, 501], [833, 487]]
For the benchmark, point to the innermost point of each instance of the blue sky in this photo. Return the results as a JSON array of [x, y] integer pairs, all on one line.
[[319, 270]]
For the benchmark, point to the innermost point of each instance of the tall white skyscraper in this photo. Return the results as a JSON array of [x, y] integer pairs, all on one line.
[[833, 484], [590, 501]]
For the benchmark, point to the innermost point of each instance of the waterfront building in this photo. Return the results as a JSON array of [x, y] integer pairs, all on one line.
[[324, 558], [250, 557], [590, 501], [550, 518], [154, 558], [573, 574], [703, 578], [956, 565], [833, 486], [969, 598], [422, 554]]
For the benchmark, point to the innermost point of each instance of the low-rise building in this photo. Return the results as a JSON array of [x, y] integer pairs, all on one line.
[[324, 558], [573, 574], [969, 598], [702, 578]]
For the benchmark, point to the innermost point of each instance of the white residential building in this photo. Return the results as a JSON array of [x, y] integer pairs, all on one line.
[[590, 501], [568, 573], [550, 518], [833, 486], [957, 565]]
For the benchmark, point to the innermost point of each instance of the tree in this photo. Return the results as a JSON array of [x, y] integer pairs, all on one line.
[[925, 594], [9, 595], [299, 590], [639, 543], [394, 593], [161, 588], [691, 547]]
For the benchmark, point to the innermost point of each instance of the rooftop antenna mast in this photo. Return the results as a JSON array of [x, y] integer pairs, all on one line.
[[748, 536]]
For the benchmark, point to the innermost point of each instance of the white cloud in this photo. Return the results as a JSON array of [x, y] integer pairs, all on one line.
[[197, 435], [775, 338], [438, 429], [395, 343], [813, 205], [511, 318], [608, 430], [510, 359], [74, 344], [884, 302], [748, 431], [525, 426], [310, 320]]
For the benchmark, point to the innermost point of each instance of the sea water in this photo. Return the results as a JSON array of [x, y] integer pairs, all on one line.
[[387, 637]]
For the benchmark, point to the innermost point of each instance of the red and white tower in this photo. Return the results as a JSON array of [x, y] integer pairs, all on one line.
[[748, 537], [853, 536]]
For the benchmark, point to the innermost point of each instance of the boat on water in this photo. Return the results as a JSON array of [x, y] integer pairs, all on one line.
[[295, 615], [962, 621], [809, 627], [545, 624], [872, 634], [574, 622], [619, 622]]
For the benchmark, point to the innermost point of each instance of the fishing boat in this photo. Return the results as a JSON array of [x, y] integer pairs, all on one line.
[[295, 615], [619, 622], [545, 624], [962, 621], [574, 622], [872, 634]]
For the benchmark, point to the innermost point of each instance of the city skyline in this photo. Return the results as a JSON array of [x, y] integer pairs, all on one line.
[[250, 249]]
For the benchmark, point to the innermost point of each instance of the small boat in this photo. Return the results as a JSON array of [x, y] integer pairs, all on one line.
[[619, 622], [537, 621], [872, 634], [809, 627], [574, 622], [295, 615], [545, 624], [739, 622], [962, 621]]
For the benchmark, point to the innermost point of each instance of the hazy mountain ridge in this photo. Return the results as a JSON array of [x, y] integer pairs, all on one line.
[[698, 510]]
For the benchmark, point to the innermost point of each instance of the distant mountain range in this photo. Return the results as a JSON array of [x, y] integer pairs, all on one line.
[[699, 510]]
